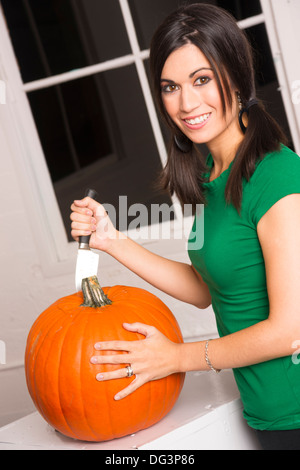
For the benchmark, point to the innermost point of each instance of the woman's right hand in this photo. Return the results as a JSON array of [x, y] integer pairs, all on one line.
[[90, 218]]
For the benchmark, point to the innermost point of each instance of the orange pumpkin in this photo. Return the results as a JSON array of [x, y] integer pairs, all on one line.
[[62, 381]]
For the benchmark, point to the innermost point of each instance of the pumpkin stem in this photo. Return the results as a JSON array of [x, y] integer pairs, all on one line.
[[93, 294]]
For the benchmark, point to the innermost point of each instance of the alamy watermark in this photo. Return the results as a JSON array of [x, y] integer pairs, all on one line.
[[143, 223], [2, 352], [2, 92], [296, 92], [296, 354]]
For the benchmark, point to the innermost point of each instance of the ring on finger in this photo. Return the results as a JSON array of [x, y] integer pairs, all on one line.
[[129, 371]]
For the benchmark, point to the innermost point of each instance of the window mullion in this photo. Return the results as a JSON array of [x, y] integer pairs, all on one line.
[[281, 68], [146, 90], [79, 73], [251, 21]]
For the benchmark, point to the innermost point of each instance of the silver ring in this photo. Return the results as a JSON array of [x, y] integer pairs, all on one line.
[[129, 371]]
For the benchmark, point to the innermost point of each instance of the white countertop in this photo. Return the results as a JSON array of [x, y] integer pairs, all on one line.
[[207, 415]]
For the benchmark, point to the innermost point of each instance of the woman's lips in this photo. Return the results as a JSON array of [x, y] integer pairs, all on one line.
[[196, 122]]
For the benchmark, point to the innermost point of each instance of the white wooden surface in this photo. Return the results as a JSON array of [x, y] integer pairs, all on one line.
[[207, 416]]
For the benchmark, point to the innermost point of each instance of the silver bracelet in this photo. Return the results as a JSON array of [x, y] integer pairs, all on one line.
[[207, 359]]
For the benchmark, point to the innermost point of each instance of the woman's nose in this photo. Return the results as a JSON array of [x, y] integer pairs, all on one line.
[[189, 100]]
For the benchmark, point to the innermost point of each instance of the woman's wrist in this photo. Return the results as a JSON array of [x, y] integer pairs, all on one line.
[[191, 357], [115, 245], [109, 244]]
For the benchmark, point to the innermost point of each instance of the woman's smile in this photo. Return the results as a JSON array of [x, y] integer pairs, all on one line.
[[197, 122]]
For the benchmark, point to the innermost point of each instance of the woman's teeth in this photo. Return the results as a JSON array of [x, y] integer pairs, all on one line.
[[197, 120]]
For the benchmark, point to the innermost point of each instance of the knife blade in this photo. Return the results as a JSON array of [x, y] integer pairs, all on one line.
[[87, 260]]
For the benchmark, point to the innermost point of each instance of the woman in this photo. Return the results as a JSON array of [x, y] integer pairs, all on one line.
[[249, 265]]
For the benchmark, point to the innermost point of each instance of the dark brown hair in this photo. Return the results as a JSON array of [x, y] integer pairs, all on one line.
[[215, 32]]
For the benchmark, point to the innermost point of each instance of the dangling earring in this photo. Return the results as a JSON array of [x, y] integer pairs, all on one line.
[[245, 109], [183, 143], [242, 110], [240, 101]]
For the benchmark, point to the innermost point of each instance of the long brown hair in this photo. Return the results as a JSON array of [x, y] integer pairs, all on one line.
[[215, 32]]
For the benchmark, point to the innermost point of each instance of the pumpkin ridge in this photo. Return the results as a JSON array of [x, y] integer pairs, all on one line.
[[153, 307], [167, 316], [151, 401], [77, 316], [108, 410], [29, 353], [135, 311], [167, 381], [37, 348], [46, 338], [58, 382], [34, 388], [81, 381], [158, 305], [164, 398]]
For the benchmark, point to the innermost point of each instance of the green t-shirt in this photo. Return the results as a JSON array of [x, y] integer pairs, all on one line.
[[231, 263]]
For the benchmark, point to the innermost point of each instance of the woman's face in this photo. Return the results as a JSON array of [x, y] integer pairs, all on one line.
[[191, 98]]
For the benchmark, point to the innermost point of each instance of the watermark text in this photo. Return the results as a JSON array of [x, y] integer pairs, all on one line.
[[296, 92], [2, 352], [157, 222], [296, 354], [2, 92]]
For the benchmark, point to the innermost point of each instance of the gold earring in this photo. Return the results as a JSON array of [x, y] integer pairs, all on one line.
[[240, 101]]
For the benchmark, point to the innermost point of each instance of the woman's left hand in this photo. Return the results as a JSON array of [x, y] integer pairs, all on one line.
[[152, 358]]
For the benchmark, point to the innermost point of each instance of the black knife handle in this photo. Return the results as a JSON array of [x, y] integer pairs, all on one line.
[[91, 193], [84, 240]]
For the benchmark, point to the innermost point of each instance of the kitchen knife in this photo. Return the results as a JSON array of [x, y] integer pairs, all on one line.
[[87, 260]]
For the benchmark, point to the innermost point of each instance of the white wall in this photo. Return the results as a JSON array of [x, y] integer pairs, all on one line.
[[23, 292]]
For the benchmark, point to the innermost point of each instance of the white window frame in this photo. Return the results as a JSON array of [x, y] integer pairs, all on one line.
[[284, 41], [56, 253]]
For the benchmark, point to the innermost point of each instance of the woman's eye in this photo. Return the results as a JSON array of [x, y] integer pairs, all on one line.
[[202, 80], [169, 88]]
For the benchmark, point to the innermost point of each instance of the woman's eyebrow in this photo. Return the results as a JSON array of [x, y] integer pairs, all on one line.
[[166, 80], [199, 70], [190, 76]]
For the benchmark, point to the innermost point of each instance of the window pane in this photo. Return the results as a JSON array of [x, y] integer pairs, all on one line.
[[53, 36], [149, 14], [239, 8], [71, 122], [266, 78], [96, 133]]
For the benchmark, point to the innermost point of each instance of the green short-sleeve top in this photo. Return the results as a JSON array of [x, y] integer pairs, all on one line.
[[231, 263]]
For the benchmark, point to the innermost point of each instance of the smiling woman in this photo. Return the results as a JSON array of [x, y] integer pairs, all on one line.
[[250, 184], [194, 75]]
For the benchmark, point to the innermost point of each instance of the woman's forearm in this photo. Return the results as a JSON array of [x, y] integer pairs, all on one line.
[[259, 343], [177, 279]]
